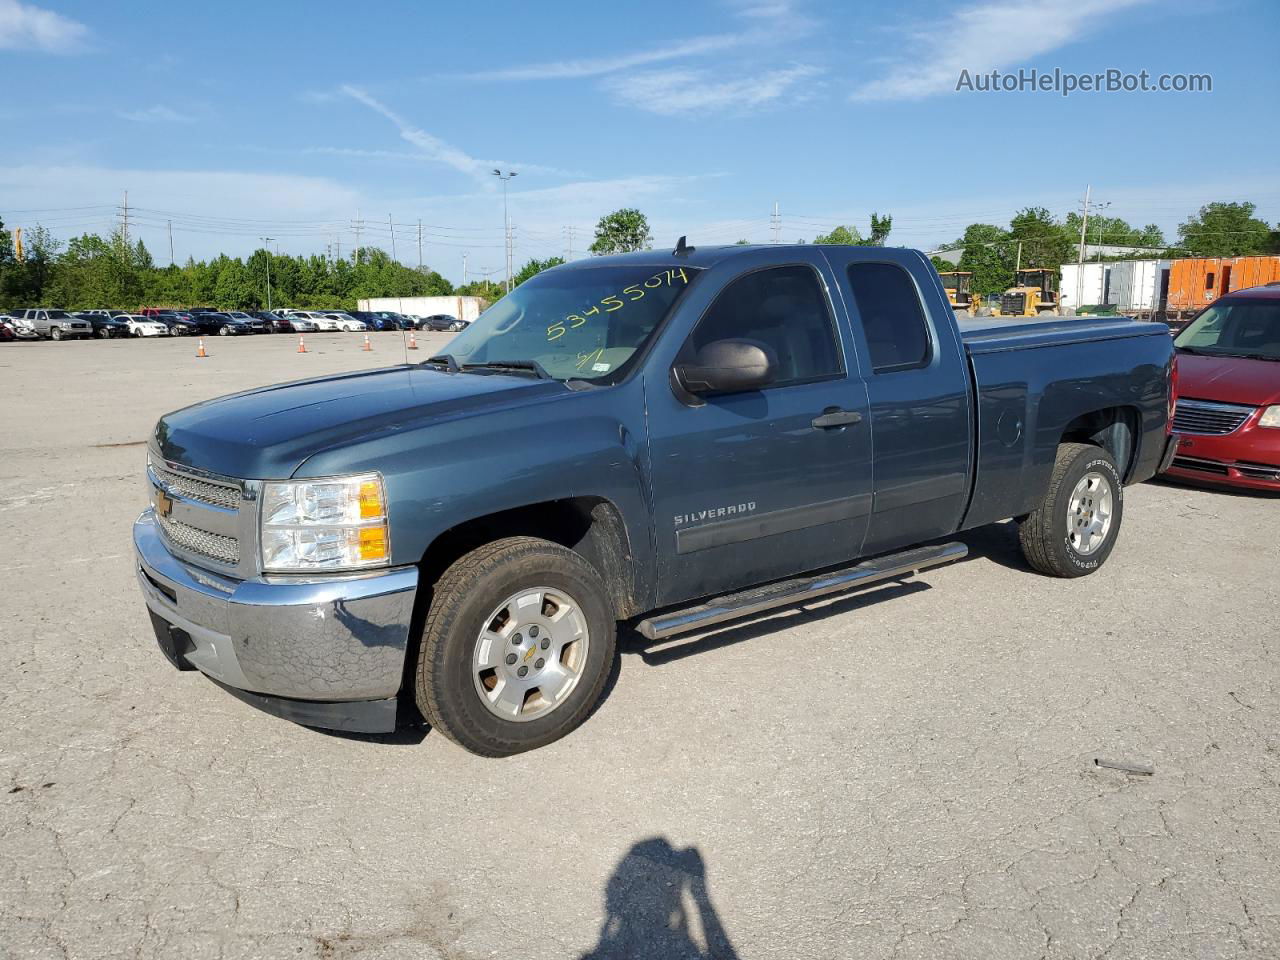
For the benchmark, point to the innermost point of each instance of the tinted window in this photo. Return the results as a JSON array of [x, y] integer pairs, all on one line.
[[783, 308], [892, 316]]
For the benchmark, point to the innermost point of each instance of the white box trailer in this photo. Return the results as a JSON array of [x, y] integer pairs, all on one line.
[[1135, 284], [1084, 285], [463, 308]]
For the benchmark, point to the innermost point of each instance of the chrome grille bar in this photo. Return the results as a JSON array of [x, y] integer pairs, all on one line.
[[1209, 419]]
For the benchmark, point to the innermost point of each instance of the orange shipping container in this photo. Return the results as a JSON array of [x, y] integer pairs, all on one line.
[[1254, 272], [1197, 281]]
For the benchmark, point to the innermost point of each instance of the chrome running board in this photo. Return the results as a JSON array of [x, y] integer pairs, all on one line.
[[786, 592]]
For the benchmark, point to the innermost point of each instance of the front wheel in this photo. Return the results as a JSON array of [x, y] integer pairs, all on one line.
[[516, 648], [224, 331], [1074, 530], [55, 333]]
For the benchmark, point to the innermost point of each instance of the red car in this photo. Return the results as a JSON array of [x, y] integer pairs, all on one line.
[[1228, 413]]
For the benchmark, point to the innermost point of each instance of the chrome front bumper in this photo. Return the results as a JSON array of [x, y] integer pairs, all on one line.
[[331, 639]]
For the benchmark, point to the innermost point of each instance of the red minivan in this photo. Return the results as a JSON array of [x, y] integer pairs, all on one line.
[[1228, 413]]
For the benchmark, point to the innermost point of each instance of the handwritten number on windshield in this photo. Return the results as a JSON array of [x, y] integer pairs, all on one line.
[[611, 303]]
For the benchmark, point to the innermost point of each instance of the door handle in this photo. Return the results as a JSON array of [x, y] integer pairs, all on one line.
[[835, 417]]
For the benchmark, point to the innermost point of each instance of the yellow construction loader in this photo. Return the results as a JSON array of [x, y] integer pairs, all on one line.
[[957, 284], [1034, 293]]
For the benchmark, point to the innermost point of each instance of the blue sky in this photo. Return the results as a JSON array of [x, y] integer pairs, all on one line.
[[235, 120]]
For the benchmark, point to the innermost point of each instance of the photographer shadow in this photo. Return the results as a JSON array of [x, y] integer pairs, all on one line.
[[657, 905]]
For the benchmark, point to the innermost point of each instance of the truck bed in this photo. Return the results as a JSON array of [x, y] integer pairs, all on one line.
[[992, 334]]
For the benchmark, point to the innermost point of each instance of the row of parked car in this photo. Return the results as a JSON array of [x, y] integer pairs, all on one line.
[[37, 323]]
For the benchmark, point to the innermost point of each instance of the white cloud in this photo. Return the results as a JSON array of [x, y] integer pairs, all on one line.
[[771, 22], [156, 114], [433, 148], [675, 92], [24, 26], [987, 36]]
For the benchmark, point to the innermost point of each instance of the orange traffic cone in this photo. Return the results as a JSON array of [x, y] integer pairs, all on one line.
[[200, 351], [367, 344], [302, 345], [413, 341]]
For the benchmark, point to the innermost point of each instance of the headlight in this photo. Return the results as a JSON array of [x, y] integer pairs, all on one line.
[[338, 523], [1270, 416]]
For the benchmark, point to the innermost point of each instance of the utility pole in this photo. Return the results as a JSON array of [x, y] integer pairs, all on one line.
[[506, 221], [357, 260], [1084, 225], [266, 245], [170, 223], [1018, 263], [124, 219], [419, 244], [464, 268], [776, 221], [392, 227]]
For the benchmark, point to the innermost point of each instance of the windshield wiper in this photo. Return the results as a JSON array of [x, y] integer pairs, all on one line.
[[520, 366], [1258, 356], [445, 360]]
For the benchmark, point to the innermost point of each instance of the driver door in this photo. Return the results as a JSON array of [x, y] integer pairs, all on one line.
[[757, 485]]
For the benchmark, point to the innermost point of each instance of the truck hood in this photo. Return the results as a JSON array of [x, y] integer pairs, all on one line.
[[268, 433], [1229, 379]]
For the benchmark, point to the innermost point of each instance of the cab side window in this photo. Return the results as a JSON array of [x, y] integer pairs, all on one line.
[[892, 316], [783, 308]]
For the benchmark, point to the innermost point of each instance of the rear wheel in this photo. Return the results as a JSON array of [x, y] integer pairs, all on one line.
[[1072, 533], [517, 646]]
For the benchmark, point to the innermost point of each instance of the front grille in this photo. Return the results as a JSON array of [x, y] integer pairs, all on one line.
[[212, 545], [206, 491], [1202, 466], [1013, 304], [1259, 471], [1209, 419]]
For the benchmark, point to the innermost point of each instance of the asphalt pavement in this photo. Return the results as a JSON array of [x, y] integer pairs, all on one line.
[[903, 773]]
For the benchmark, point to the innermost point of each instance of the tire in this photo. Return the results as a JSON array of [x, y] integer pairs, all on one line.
[[55, 333], [454, 327], [1066, 536], [472, 598], [104, 333], [224, 331]]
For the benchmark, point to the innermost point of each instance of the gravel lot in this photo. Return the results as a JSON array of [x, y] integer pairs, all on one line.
[[902, 773]]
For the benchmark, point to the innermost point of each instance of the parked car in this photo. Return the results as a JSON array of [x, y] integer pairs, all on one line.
[[256, 324], [378, 320], [7, 332], [441, 321], [1228, 406], [318, 321], [103, 326], [346, 322], [273, 322], [21, 327], [140, 326], [726, 421], [222, 324], [57, 324], [180, 323], [103, 313]]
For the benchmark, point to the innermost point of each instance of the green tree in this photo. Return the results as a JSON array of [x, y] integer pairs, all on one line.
[[533, 268], [942, 266], [1044, 243], [623, 231], [846, 236], [987, 255], [1227, 230], [880, 227]]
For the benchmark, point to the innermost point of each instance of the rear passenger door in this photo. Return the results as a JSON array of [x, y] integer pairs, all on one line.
[[913, 363]]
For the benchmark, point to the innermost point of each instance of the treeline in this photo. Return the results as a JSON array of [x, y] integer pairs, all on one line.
[[92, 271], [1034, 238]]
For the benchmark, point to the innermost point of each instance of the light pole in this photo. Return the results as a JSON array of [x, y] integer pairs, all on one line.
[[266, 248], [506, 222]]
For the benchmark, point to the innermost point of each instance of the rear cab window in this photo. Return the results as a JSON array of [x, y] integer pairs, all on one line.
[[892, 316]]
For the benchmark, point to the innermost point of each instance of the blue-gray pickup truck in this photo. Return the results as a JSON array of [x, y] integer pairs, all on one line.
[[674, 439]]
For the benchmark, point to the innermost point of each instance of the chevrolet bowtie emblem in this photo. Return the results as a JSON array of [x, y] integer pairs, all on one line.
[[164, 506], [531, 651]]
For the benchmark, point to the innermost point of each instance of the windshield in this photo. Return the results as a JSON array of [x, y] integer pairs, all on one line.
[[579, 323], [1239, 328]]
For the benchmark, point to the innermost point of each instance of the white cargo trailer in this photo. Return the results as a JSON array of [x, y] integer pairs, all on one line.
[[1135, 284], [1084, 285], [465, 309]]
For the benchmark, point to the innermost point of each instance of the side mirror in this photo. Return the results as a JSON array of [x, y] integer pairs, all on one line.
[[728, 366]]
